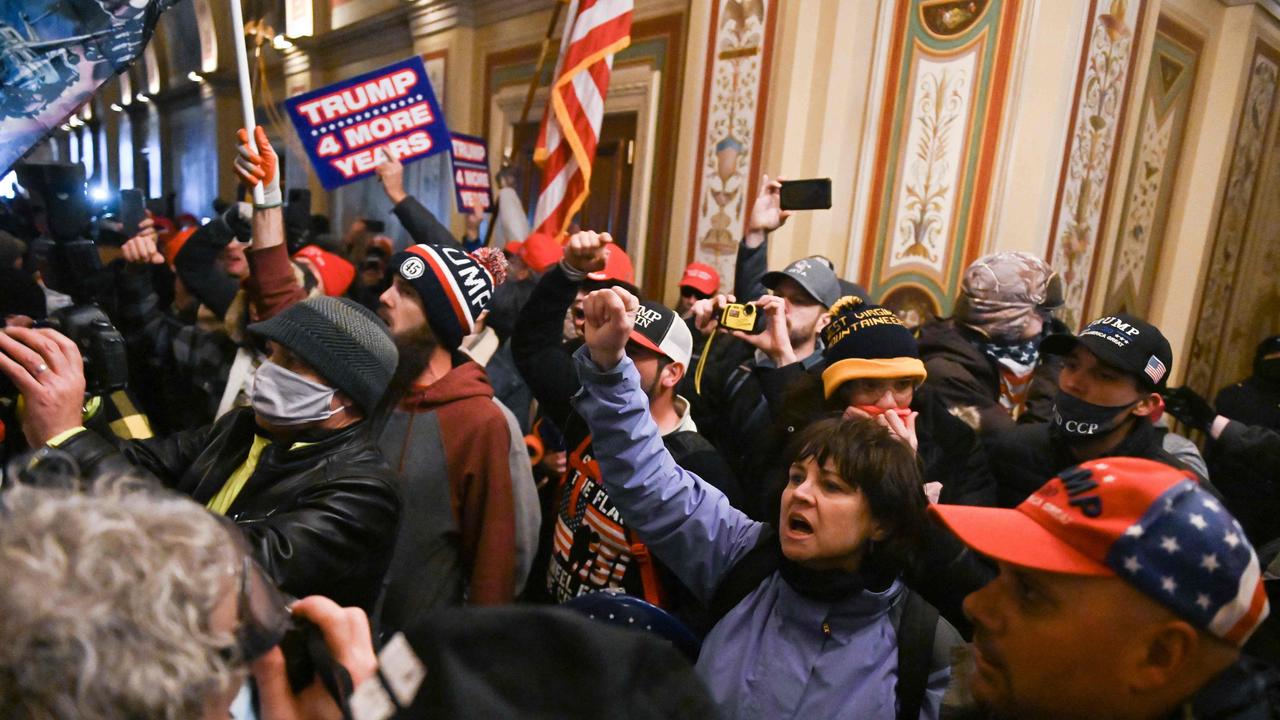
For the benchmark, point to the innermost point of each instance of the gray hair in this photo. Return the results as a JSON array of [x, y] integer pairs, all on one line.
[[105, 604]]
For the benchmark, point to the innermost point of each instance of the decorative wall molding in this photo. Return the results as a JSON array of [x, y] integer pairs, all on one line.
[[1098, 114], [739, 53], [944, 99], [1242, 195], [1166, 101]]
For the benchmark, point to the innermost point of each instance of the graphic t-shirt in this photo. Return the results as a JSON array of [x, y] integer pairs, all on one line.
[[593, 549]]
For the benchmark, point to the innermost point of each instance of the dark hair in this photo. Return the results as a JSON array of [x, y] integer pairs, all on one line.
[[883, 468]]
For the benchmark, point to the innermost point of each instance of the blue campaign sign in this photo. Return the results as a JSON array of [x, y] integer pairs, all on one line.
[[345, 125], [471, 172]]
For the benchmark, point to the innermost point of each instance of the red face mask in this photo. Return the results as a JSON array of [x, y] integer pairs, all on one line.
[[874, 410]]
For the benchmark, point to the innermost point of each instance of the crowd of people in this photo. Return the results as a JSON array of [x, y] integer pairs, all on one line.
[[508, 481]]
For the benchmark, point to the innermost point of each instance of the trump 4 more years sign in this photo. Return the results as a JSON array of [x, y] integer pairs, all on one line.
[[345, 127], [471, 173]]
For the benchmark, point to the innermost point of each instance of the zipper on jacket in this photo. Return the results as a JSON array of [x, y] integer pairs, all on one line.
[[826, 629]]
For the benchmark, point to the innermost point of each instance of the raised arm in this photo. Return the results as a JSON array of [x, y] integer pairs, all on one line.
[[271, 284], [767, 215], [422, 226], [686, 522]]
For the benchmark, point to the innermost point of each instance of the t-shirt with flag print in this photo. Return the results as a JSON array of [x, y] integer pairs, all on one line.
[[592, 548]]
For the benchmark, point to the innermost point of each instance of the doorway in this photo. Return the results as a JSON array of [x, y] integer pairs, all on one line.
[[608, 204]]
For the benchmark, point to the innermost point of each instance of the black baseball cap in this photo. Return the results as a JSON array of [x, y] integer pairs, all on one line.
[[661, 330], [1124, 342], [815, 276]]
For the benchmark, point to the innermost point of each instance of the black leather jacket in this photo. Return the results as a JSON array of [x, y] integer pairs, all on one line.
[[321, 517]]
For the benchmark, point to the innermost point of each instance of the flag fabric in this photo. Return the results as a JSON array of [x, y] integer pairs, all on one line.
[[594, 31], [55, 53]]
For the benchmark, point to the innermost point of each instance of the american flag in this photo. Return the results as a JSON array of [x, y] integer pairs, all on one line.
[[593, 31], [1189, 552], [1155, 369]]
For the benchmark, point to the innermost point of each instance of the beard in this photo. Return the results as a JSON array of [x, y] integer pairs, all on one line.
[[415, 347]]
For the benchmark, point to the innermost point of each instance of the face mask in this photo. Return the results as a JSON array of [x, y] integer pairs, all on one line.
[[1076, 419], [873, 410], [283, 397]]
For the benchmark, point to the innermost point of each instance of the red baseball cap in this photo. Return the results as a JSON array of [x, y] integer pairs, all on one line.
[[540, 251], [333, 271], [617, 266], [702, 278], [1144, 522]]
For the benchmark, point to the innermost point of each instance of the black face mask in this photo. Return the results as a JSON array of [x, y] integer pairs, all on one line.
[[1077, 420]]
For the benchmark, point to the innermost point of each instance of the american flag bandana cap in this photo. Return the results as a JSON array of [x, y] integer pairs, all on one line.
[[1144, 522], [1191, 555]]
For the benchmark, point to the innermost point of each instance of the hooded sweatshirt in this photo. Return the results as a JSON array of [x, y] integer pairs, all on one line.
[[451, 445]]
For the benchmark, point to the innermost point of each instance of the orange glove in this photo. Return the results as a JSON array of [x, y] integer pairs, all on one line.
[[262, 167]]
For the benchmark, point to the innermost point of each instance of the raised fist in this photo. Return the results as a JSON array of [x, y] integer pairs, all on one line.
[[610, 315], [585, 251]]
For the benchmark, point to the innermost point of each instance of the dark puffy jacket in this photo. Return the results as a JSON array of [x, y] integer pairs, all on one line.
[[320, 517], [1252, 401], [1245, 464], [1027, 456], [965, 377]]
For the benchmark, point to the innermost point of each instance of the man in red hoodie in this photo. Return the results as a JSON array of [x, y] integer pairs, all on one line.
[[465, 471]]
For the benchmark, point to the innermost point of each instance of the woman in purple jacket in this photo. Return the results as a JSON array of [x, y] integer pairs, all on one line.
[[818, 636]]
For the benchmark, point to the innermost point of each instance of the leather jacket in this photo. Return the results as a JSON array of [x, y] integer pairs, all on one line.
[[321, 514]]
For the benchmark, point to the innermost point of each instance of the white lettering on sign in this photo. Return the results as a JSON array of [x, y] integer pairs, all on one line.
[[355, 99], [464, 150], [384, 126], [467, 177], [472, 199], [364, 161]]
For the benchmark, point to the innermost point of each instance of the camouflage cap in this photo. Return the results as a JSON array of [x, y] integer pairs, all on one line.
[[1000, 293]]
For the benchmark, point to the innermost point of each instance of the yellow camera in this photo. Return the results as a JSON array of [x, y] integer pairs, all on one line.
[[742, 316]]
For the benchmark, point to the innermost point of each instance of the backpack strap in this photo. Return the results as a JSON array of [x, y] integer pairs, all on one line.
[[746, 575], [916, 627]]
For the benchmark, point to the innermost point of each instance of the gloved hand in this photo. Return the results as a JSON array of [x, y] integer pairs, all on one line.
[[1189, 408], [263, 167]]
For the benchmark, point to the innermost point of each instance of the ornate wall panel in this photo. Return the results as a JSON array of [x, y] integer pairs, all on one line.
[[729, 140], [1244, 242], [1166, 101], [1098, 114], [944, 97]]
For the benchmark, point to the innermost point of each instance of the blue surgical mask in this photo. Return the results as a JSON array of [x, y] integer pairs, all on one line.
[[1075, 419], [283, 397]]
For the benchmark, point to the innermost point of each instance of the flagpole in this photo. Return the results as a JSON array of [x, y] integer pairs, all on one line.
[[528, 98], [246, 89]]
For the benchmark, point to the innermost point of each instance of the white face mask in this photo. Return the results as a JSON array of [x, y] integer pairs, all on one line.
[[283, 397]]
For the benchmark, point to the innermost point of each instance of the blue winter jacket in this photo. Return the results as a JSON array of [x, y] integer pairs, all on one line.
[[776, 654]]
